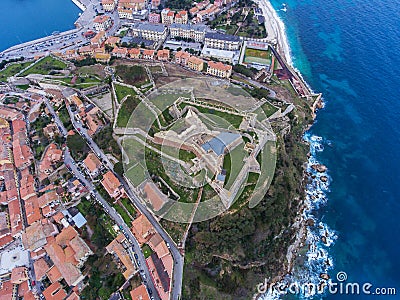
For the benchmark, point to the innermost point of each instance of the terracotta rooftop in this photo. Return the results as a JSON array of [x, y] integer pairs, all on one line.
[[195, 60], [19, 275], [54, 274], [101, 19], [47, 198], [41, 267], [6, 290], [219, 66], [32, 210], [92, 163], [154, 195], [116, 247], [142, 229], [15, 216], [110, 183], [67, 254], [140, 293], [54, 292], [35, 235]]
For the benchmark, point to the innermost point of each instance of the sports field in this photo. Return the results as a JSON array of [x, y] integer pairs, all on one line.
[[257, 56]]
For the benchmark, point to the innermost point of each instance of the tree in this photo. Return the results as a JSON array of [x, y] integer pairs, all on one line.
[[119, 168]]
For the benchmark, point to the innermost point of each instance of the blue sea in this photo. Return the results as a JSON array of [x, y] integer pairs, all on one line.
[[348, 50], [25, 20]]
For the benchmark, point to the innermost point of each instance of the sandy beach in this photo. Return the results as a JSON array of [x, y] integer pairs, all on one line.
[[275, 28]]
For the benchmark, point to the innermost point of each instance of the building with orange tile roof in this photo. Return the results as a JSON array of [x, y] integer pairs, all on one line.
[[156, 198], [54, 274], [69, 252], [120, 52], [72, 296], [163, 55], [108, 5], [102, 22], [102, 57], [27, 185], [23, 155], [19, 275], [86, 50], [142, 229], [32, 210], [35, 235], [6, 290], [24, 290], [29, 296], [14, 209], [54, 292], [195, 63], [119, 248], [154, 18], [134, 53], [51, 130], [167, 16], [112, 185], [181, 17], [49, 198], [50, 158], [219, 69], [140, 293], [158, 245], [40, 267], [5, 240], [98, 39], [112, 41], [161, 279], [181, 57], [92, 165], [10, 113], [148, 54]]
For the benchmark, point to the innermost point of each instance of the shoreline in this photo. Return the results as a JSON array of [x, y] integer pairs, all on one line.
[[307, 237], [279, 29]]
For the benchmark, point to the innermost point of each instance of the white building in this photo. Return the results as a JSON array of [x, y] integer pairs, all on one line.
[[222, 41], [108, 5], [154, 32], [189, 31], [102, 23], [219, 69]]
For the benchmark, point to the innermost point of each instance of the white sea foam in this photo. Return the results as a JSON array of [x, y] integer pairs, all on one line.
[[319, 237]]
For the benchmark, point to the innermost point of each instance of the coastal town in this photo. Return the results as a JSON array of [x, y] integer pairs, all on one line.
[[81, 217]]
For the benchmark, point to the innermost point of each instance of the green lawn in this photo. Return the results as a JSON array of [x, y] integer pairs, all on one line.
[[23, 86], [83, 81], [12, 70], [129, 206], [126, 110], [45, 66], [233, 163], [123, 91], [133, 75], [123, 214], [146, 250], [136, 174], [269, 109], [155, 69]]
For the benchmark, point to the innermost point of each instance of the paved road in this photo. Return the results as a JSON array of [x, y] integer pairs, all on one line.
[[71, 165], [178, 258], [140, 260]]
